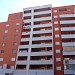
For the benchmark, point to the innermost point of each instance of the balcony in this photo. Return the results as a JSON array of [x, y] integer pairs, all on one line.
[[42, 18], [43, 53], [68, 29], [42, 12], [67, 22], [33, 72], [69, 53], [21, 62], [68, 44], [67, 15], [27, 27], [27, 21], [42, 31], [67, 72], [41, 62], [72, 61], [23, 46], [22, 54], [25, 33], [42, 25], [42, 7], [5, 71], [28, 14], [20, 72], [42, 38], [25, 39], [41, 45], [41, 72], [68, 36]]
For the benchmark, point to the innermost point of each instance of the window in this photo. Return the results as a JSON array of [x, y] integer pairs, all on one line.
[[12, 59], [7, 25], [21, 15], [58, 59], [15, 43], [57, 43], [14, 51], [2, 51], [6, 31], [54, 11], [64, 9], [55, 16], [55, 22], [58, 51], [1, 59], [56, 35], [15, 36], [58, 68], [68, 9], [5, 37], [17, 24], [56, 29], [15, 16], [3, 44], [16, 30]]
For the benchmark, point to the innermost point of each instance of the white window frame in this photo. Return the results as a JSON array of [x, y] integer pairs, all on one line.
[[55, 22], [6, 31], [58, 51], [7, 25], [56, 29], [56, 35], [57, 43], [12, 59], [58, 59], [55, 16], [17, 24], [1, 59], [54, 11], [16, 30], [58, 68]]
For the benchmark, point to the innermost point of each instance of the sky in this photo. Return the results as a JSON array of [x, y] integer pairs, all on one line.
[[12, 6]]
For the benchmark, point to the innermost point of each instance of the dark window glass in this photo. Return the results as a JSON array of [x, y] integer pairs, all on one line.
[[13, 51], [2, 51]]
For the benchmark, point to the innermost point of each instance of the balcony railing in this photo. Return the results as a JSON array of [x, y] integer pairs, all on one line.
[[67, 15], [68, 44], [41, 62], [68, 29], [67, 22], [69, 53], [68, 36], [42, 53], [41, 45]]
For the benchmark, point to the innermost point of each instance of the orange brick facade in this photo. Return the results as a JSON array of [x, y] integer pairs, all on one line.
[[11, 35], [13, 30]]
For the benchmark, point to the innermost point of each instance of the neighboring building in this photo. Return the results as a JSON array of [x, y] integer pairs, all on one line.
[[10, 33], [42, 42]]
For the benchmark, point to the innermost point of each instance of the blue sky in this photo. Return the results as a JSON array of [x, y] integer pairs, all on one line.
[[12, 6]]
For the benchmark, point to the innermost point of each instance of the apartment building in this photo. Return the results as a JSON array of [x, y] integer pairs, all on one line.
[[64, 37], [10, 33], [44, 43]]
